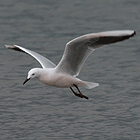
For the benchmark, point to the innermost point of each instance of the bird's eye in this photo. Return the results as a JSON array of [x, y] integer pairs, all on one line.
[[33, 74]]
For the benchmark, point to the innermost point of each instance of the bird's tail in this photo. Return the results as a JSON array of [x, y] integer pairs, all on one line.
[[90, 85]]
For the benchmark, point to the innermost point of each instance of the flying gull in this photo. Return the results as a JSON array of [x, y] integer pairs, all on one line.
[[64, 75]]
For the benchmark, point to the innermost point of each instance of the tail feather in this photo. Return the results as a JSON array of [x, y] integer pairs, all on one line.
[[90, 85]]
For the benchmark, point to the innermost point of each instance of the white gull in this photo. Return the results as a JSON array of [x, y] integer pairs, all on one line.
[[64, 75]]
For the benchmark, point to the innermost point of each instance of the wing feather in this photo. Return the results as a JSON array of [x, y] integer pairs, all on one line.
[[78, 49], [45, 63]]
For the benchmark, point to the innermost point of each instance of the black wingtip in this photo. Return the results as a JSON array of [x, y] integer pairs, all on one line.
[[14, 47], [134, 33]]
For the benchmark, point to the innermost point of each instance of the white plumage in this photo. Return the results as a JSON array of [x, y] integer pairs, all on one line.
[[75, 54]]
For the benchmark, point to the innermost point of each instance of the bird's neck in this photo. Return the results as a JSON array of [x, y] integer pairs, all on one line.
[[45, 73]]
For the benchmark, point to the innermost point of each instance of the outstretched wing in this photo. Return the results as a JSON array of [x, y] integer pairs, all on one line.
[[45, 63], [78, 49]]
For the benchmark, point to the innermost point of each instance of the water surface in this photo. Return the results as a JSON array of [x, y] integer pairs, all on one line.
[[39, 112]]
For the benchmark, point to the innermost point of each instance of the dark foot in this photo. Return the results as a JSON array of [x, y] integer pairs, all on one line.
[[85, 97], [79, 94]]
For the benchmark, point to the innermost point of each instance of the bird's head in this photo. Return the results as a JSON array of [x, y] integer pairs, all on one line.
[[33, 73]]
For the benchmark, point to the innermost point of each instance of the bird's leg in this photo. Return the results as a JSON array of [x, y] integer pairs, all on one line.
[[78, 94], [83, 96]]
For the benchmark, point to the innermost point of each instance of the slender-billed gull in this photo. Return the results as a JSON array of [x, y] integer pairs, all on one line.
[[64, 75]]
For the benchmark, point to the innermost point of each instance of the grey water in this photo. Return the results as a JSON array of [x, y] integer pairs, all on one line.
[[40, 112]]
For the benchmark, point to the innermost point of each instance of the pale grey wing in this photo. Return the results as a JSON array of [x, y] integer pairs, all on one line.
[[45, 63], [77, 50]]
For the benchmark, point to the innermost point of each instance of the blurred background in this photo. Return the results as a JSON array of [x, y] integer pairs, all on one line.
[[40, 112]]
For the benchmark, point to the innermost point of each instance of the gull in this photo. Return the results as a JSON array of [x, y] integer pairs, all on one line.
[[64, 74]]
